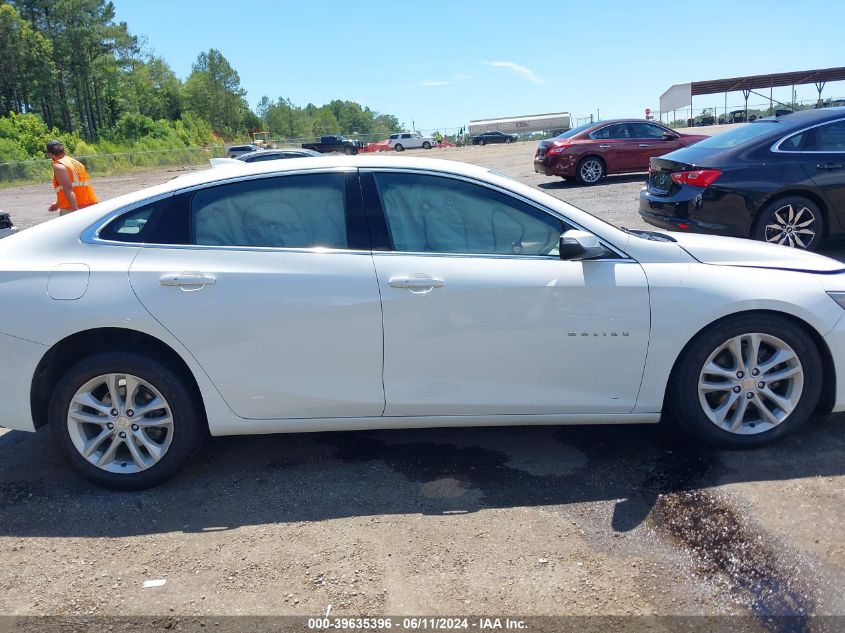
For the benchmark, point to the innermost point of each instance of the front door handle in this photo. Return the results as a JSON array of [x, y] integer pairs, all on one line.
[[187, 279], [829, 166], [416, 283], [604, 146], [644, 145]]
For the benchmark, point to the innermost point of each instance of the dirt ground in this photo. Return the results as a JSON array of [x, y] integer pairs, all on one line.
[[506, 521]]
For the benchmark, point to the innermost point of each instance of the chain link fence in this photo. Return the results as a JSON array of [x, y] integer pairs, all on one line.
[[41, 170]]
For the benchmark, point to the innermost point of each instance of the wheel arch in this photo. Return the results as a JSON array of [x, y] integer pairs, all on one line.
[[820, 202], [596, 155], [828, 393], [94, 341]]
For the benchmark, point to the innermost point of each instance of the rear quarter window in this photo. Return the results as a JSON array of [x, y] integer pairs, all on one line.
[[160, 222]]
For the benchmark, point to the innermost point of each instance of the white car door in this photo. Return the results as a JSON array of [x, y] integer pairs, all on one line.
[[482, 317], [276, 297]]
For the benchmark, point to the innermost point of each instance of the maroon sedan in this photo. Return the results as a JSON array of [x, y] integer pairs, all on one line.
[[590, 152]]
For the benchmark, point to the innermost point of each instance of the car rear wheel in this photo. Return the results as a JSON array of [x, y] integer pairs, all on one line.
[[793, 221], [590, 170], [747, 381], [426, 145], [125, 421], [398, 147]]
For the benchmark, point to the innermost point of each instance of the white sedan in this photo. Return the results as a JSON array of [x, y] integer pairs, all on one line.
[[371, 292]]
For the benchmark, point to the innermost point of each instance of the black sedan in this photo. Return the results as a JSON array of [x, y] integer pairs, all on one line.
[[778, 180], [494, 137]]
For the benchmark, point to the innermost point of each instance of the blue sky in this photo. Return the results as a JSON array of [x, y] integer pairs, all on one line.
[[442, 63]]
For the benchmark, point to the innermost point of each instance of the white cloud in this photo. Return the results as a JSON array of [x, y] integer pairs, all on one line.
[[523, 71]]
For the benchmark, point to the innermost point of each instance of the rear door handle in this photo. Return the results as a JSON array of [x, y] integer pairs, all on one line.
[[416, 283], [644, 145], [604, 146], [829, 166], [187, 279]]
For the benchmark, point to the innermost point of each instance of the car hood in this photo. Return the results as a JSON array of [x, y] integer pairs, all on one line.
[[732, 251]]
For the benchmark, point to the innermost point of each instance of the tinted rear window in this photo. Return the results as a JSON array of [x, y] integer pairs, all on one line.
[[739, 135], [575, 130]]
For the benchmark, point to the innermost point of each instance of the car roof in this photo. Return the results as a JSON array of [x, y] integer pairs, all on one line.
[[241, 169]]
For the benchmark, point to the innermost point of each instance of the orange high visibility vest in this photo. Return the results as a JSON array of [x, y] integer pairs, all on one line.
[[82, 188]]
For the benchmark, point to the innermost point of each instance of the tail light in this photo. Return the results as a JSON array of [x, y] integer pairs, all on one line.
[[698, 178], [557, 150]]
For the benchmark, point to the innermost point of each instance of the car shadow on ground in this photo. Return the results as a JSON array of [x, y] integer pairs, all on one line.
[[239, 481], [560, 183]]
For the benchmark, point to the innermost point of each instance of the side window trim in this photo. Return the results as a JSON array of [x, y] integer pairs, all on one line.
[[776, 146], [383, 242]]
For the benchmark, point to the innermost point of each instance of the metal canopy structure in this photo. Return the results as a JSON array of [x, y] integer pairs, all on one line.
[[680, 96], [752, 82]]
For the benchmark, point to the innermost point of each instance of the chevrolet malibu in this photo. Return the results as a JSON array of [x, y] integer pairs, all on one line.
[[372, 292]]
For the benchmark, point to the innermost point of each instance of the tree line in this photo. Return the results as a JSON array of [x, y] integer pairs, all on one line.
[[68, 69]]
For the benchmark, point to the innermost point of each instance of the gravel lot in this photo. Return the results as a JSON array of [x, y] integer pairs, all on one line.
[[519, 521]]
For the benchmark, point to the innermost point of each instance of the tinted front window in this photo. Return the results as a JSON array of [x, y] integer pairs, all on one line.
[[432, 214], [739, 135], [302, 211], [646, 130]]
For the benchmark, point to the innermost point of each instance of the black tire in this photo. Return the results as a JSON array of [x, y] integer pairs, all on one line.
[[189, 426], [426, 145], [771, 215], [481, 141], [398, 147], [349, 150], [508, 139], [683, 394], [597, 167]]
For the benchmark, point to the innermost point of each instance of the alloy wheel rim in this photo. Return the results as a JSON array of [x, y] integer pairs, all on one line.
[[791, 226], [120, 423], [750, 383], [591, 171]]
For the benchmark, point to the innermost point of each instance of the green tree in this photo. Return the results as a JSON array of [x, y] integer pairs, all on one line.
[[213, 91]]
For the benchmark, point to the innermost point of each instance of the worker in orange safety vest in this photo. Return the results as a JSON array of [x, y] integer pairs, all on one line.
[[70, 181]]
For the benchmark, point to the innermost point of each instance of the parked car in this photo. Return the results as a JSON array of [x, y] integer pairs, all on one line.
[[7, 227], [276, 154], [590, 152], [334, 143], [339, 294], [494, 136], [240, 150], [778, 179], [410, 140]]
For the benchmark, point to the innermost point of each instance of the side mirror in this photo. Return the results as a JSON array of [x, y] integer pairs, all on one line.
[[668, 136], [577, 245]]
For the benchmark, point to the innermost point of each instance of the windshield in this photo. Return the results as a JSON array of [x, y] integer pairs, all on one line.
[[739, 135], [575, 130]]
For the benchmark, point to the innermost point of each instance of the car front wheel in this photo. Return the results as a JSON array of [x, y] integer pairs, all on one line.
[[747, 381], [793, 221], [125, 421], [398, 147], [426, 145], [481, 141]]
